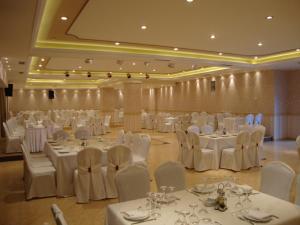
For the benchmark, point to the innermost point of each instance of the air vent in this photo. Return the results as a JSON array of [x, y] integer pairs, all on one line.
[[21, 62]]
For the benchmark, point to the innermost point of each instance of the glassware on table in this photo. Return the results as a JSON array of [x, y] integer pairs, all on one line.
[[202, 209], [193, 218], [239, 204], [156, 198], [179, 220], [164, 189], [185, 213]]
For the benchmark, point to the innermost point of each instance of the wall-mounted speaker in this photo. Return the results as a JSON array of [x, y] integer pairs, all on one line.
[[9, 90], [51, 94]]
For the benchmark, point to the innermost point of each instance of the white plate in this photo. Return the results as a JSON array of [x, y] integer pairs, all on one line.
[[267, 219], [57, 148], [139, 217], [204, 190], [168, 200]]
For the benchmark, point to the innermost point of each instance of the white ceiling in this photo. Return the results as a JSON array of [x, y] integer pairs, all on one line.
[[238, 24]]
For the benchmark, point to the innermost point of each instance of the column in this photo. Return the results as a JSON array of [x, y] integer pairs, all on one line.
[[108, 101], [132, 106]]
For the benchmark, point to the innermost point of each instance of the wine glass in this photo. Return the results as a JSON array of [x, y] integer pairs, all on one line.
[[164, 189], [179, 220], [193, 218], [185, 213]]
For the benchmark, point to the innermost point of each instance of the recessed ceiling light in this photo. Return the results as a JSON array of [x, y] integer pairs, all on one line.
[[133, 63], [117, 43], [8, 65], [79, 67], [42, 59], [38, 70], [220, 53], [64, 18], [175, 49], [73, 71], [144, 27], [121, 68], [189, 1], [212, 36], [5, 58], [154, 70], [141, 73], [40, 65], [255, 57], [6, 61], [269, 17], [259, 43], [9, 69]]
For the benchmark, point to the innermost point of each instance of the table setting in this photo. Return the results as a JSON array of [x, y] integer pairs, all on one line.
[[208, 203]]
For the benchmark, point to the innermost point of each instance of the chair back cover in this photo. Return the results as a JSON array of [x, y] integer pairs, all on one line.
[[132, 182], [121, 137], [141, 145], [249, 119], [60, 134], [276, 180], [242, 139], [82, 133], [207, 129], [170, 174], [193, 128], [60, 220], [55, 210], [297, 201], [298, 145]]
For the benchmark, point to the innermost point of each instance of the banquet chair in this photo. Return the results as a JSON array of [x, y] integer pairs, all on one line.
[[121, 137], [220, 121], [298, 145], [36, 160], [186, 155], [118, 157], [236, 158], [60, 219], [132, 182], [249, 119], [297, 200], [82, 133], [55, 210], [193, 128], [254, 147], [128, 139], [276, 180], [88, 178], [39, 181], [106, 122], [140, 148], [60, 135], [207, 129], [13, 143], [258, 119], [203, 157], [170, 174]]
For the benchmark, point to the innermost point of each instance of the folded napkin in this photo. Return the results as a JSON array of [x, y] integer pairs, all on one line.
[[258, 215], [135, 214]]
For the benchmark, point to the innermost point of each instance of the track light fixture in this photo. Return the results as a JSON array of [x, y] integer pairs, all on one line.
[[109, 75], [128, 75], [67, 74], [89, 74], [88, 61], [147, 76]]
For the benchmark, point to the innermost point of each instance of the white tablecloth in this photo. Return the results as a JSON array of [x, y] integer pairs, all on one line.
[[66, 163], [36, 138], [289, 214], [217, 144], [231, 124]]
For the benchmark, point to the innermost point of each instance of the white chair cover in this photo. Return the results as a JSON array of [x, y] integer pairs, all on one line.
[[207, 129], [140, 148], [118, 157], [170, 174], [193, 128], [121, 137], [132, 182], [186, 155], [297, 200], [82, 133], [13, 143], [298, 145], [60, 135], [254, 148], [88, 178], [276, 180], [203, 158], [237, 158], [55, 210]]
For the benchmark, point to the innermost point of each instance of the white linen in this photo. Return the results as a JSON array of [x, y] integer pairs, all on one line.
[[289, 214], [297, 200], [36, 138], [186, 154], [65, 163], [231, 124], [132, 182], [298, 145], [217, 144]]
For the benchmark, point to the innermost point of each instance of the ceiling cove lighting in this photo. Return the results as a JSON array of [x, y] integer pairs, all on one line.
[[64, 18], [212, 36], [269, 17], [259, 44], [189, 1], [143, 27]]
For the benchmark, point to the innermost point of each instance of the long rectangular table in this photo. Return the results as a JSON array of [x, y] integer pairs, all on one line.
[[66, 163], [287, 213]]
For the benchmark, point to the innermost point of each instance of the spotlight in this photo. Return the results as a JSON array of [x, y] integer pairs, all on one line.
[[109, 75], [128, 75], [147, 76], [146, 63], [88, 61], [67, 74], [89, 74]]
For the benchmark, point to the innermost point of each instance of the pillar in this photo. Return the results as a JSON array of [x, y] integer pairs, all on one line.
[[108, 101]]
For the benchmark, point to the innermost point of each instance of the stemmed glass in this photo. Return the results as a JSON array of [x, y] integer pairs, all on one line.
[[185, 213], [193, 218], [179, 220], [164, 189], [156, 197]]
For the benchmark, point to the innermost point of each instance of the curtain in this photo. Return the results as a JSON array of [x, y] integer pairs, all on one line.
[[3, 110]]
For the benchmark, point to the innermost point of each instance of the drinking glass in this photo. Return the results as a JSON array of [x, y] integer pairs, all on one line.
[[193, 218]]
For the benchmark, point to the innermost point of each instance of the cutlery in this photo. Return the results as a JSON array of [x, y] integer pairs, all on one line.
[[143, 221], [190, 191], [246, 220], [275, 216]]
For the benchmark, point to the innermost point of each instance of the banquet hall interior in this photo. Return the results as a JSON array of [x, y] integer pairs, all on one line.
[[167, 112]]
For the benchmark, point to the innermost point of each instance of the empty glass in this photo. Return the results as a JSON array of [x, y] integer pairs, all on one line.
[[193, 218]]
